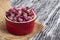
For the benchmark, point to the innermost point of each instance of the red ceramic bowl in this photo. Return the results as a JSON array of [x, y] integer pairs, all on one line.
[[20, 28]]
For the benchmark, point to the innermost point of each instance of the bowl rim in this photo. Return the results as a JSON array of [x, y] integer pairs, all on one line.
[[21, 22]]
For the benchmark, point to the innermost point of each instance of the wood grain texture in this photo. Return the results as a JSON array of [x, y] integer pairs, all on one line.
[[4, 6], [4, 34]]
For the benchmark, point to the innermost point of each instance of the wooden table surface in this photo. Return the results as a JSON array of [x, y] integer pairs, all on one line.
[[4, 34], [4, 6]]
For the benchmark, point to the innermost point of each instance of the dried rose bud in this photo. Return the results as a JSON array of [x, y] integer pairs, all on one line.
[[20, 20], [12, 10], [30, 12], [20, 13], [17, 8], [25, 15], [10, 18], [25, 8], [12, 15], [32, 16], [15, 19], [28, 18], [8, 14]]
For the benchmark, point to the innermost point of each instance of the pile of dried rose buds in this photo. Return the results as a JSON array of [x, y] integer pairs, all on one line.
[[20, 14]]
